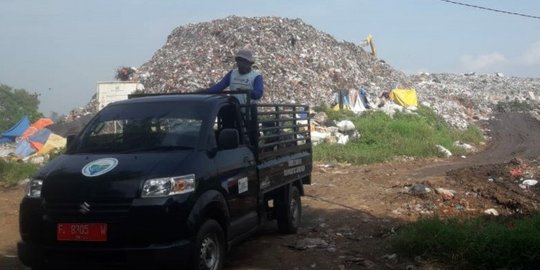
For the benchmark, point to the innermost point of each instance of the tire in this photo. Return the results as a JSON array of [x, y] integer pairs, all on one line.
[[289, 211], [209, 250]]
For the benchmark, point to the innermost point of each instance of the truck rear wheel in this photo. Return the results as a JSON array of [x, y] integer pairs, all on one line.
[[289, 211], [209, 247]]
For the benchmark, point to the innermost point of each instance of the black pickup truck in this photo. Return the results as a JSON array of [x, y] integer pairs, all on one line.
[[167, 180]]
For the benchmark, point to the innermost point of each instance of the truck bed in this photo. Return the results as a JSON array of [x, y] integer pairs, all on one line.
[[283, 144]]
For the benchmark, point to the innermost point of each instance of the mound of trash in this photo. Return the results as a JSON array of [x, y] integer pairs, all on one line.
[[304, 65], [299, 63], [463, 98]]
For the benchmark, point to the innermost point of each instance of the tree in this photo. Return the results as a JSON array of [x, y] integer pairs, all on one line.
[[56, 117], [16, 103]]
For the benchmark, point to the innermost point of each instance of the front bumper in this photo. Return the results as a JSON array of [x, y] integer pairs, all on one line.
[[33, 255]]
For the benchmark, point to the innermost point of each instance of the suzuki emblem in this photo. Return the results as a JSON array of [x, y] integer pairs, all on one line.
[[84, 208]]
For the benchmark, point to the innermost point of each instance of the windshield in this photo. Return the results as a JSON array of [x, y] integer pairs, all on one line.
[[141, 127]]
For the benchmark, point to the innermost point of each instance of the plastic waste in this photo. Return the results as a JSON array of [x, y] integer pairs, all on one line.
[[530, 182]]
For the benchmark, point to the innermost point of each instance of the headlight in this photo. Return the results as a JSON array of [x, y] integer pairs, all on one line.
[[166, 186], [33, 189]]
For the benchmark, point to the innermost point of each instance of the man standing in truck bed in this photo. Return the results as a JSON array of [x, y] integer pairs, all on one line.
[[243, 77]]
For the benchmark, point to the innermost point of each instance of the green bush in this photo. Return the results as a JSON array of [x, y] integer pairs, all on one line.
[[480, 243], [383, 137], [11, 172], [16, 103]]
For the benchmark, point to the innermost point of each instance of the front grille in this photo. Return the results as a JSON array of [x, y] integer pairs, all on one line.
[[66, 211]]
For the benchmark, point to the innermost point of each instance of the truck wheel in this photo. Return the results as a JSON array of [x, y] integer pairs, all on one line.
[[289, 212], [209, 247]]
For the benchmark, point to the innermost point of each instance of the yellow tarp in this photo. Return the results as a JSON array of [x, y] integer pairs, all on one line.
[[404, 97], [345, 107], [53, 142]]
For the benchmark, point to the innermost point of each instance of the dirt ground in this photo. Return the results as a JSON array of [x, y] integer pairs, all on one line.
[[349, 211]]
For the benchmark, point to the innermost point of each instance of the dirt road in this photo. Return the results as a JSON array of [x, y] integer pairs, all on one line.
[[350, 211]]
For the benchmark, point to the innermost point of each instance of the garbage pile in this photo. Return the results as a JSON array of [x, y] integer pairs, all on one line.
[[462, 98], [324, 130], [299, 63], [304, 65]]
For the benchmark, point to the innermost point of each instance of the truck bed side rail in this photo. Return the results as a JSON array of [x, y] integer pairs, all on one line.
[[282, 129]]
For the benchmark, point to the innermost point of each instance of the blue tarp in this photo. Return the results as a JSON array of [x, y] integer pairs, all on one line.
[[15, 131], [24, 149], [40, 136]]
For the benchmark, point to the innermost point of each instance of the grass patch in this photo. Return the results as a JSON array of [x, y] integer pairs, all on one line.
[[480, 243], [11, 172], [384, 137]]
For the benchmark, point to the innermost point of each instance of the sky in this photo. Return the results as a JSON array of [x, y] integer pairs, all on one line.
[[60, 49]]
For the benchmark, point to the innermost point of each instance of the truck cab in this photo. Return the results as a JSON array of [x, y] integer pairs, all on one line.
[[167, 179]]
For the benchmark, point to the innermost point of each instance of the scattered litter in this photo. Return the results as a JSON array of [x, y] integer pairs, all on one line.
[[530, 182], [491, 211], [467, 147], [345, 125], [445, 193], [443, 151], [517, 172], [309, 243], [393, 258], [417, 189]]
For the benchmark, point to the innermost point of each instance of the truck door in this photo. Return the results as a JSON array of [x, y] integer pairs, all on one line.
[[237, 170]]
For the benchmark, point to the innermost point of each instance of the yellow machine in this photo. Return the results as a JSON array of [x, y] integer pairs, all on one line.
[[369, 41]]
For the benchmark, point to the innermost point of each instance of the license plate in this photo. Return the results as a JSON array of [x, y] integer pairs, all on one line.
[[81, 232]]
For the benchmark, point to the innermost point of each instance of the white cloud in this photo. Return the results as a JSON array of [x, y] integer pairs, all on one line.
[[532, 55], [483, 61]]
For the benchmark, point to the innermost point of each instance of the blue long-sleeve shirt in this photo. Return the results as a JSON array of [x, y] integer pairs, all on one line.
[[256, 93]]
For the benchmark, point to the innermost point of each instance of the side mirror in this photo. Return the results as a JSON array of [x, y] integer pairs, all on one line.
[[228, 138], [69, 140]]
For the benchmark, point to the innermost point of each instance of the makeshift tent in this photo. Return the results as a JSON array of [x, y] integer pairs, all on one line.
[[15, 131], [404, 97], [341, 97], [34, 138], [39, 124], [53, 142], [38, 139], [24, 149]]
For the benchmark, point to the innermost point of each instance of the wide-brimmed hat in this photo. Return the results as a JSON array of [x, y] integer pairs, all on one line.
[[245, 54]]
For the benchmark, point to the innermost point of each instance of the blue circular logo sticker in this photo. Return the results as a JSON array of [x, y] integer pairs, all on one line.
[[99, 167]]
